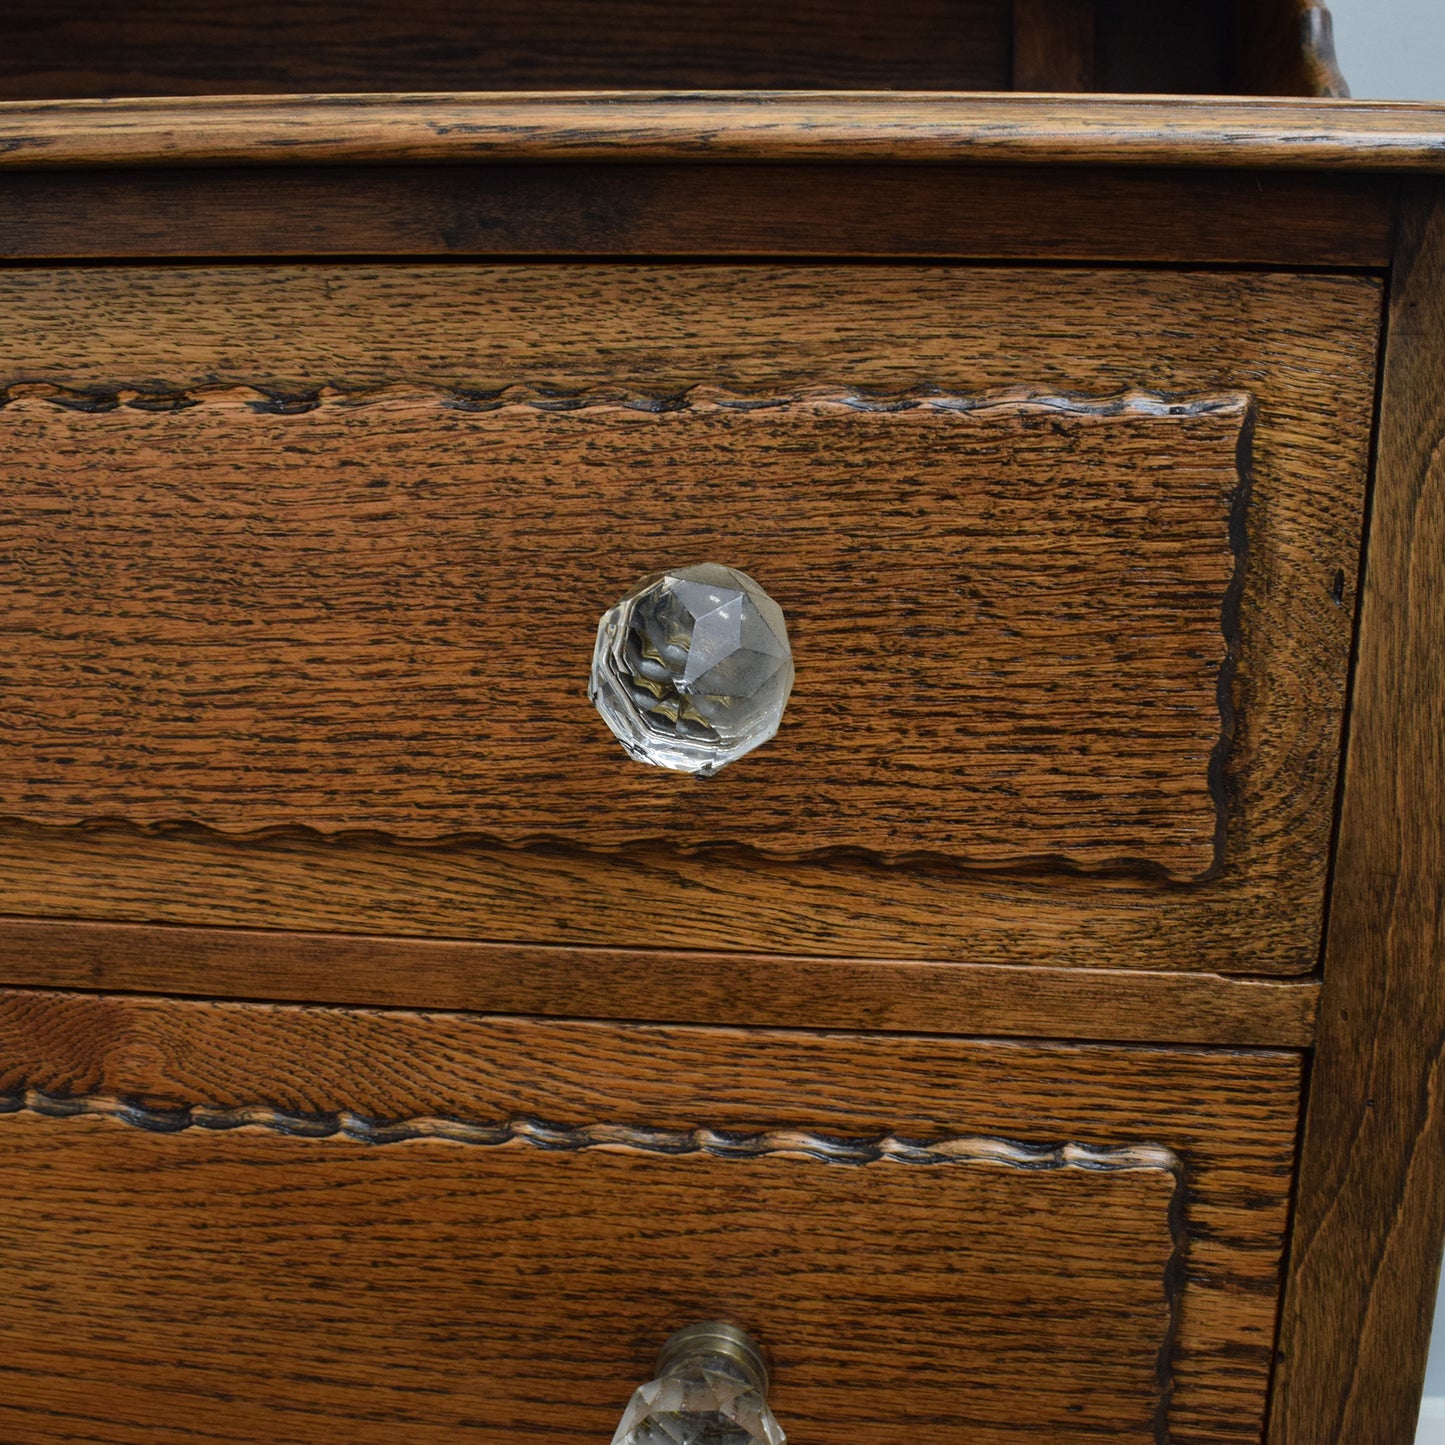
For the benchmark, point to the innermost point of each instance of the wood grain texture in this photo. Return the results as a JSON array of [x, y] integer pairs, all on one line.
[[983, 1262], [1302, 346], [736, 988], [1371, 1211], [376, 614], [485, 1310], [1258, 217], [174, 47], [1378, 136], [1285, 47], [1053, 45]]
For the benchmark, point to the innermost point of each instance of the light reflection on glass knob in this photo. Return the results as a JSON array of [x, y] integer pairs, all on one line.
[[692, 668], [711, 1389]]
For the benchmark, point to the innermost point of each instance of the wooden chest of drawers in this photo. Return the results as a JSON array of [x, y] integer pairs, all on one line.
[[1036, 1039]]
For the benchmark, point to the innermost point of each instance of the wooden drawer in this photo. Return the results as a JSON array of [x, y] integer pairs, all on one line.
[[1014, 617], [305, 566], [281, 1223]]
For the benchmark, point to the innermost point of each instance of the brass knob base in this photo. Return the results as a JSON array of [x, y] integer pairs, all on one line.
[[717, 1337]]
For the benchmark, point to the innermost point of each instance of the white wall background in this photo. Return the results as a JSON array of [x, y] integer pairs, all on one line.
[[1395, 50], [1391, 49]]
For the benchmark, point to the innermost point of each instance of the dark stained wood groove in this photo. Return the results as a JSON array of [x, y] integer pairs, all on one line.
[[159, 396]]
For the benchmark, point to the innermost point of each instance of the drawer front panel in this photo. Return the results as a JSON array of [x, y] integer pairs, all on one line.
[[299, 1223], [1013, 618], [488, 1277], [305, 562]]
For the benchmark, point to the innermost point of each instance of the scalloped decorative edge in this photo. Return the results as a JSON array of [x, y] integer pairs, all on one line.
[[624, 1138], [344, 837], [525, 397]]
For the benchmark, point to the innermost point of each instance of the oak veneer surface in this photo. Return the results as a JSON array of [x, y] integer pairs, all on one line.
[[378, 615], [1302, 347], [185, 1225]]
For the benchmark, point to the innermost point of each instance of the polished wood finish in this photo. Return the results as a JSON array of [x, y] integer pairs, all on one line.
[[176, 47], [1218, 132], [1303, 347], [1371, 1213], [410, 580], [1258, 217], [481, 1265], [662, 985]]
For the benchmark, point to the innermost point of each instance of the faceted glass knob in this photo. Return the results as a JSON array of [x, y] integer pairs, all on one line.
[[692, 668], [711, 1389]]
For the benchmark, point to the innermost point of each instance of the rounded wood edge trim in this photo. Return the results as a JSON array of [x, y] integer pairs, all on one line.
[[1115, 1005], [804, 126]]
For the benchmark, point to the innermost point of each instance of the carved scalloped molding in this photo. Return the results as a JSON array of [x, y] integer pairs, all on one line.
[[625, 1138], [281, 401]]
